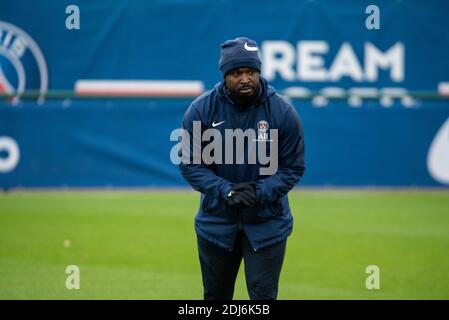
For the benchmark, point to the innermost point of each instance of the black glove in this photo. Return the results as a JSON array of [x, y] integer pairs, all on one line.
[[243, 194]]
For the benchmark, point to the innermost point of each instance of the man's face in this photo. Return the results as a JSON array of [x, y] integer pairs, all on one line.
[[243, 82]]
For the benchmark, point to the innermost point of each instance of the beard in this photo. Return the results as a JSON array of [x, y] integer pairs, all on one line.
[[244, 99]]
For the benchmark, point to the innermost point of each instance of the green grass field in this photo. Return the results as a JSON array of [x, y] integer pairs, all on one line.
[[141, 245]]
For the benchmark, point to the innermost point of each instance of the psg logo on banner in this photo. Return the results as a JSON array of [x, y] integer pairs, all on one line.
[[22, 64]]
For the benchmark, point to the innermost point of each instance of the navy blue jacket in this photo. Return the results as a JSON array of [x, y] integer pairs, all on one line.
[[271, 221]]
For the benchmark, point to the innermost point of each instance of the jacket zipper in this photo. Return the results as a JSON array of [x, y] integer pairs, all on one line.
[[241, 227], [240, 219], [240, 216], [252, 245]]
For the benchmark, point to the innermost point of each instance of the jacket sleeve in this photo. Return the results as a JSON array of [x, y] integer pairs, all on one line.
[[290, 160], [201, 177]]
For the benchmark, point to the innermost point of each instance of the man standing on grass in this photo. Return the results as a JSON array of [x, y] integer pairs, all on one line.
[[244, 210]]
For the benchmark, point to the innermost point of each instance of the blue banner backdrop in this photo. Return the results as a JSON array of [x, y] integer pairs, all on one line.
[[98, 144], [313, 45]]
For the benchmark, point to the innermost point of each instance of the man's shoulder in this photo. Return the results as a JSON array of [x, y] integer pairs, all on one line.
[[282, 109], [280, 102], [202, 98], [205, 97], [201, 105]]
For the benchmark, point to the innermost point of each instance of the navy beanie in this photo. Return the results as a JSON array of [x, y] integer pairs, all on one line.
[[238, 53]]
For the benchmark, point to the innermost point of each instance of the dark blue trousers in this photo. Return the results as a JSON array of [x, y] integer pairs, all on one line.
[[219, 268]]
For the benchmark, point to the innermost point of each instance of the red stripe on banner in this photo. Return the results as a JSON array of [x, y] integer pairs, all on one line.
[[160, 93]]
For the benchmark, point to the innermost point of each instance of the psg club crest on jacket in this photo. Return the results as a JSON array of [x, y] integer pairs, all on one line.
[[262, 128]]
